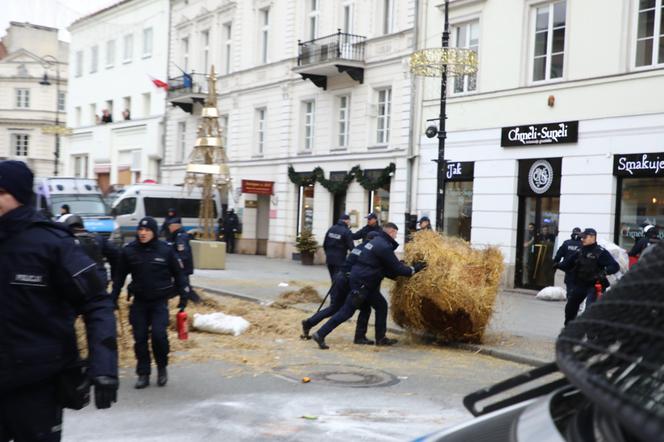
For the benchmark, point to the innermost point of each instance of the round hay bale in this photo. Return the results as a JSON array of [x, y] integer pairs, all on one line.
[[453, 298]]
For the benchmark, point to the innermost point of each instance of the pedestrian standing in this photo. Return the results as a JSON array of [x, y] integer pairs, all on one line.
[[170, 215], [590, 265], [425, 223], [182, 248], [338, 242], [338, 294], [231, 225], [375, 263], [64, 211], [568, 248], [371, 226], [156, 276], [649, 231], [46, 280]]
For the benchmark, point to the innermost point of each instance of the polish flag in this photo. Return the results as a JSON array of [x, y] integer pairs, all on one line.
[[159, 83]]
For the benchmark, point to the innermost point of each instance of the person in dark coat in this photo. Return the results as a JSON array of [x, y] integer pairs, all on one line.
[[338, 293], [170, 216], [338, 242], [568, 248], [46, 281], [372, 226], [375, 263], [182, 248], [157, 275], [231, 226], [590, 265], [649, 231], [98, 248]]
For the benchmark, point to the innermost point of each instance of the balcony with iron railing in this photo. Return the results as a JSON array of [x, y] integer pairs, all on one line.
[[331, 55], [187, 89]]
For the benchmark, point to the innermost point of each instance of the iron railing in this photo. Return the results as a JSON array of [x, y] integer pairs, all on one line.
[[187, 84], [339, 46]]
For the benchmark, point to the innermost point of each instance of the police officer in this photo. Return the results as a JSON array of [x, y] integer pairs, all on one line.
[[156, 276], [425, 223], [180, 245], [46, 279], [338, 293], [96, 247], [338, 242], [170, 215], [231, 226], [376, 262], [568, 248], [590, 265], [372, 226]]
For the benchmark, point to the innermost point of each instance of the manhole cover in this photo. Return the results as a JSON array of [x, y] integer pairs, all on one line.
[[339, 375]]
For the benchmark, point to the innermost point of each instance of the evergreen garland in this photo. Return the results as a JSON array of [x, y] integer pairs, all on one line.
[[340, 187]]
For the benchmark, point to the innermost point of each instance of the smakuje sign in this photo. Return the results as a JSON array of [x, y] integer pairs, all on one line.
[[639, 165]]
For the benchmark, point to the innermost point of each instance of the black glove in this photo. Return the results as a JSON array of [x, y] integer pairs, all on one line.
[[555, 266], [419, 266], [182, 304], [106, 391]]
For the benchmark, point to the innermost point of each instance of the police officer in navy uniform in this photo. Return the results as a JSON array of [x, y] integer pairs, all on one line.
[[231, 227], [46, 280], [338, 293], [372, 226], [170, 216], [156, 276], [589, 265], [376, 262], [568, 248], [180, 245], [338, 242], [98, 248]]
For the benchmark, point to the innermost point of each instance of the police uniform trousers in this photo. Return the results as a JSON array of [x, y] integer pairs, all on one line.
[[338, 294], [575, 299], [149, 319], [229, 238], [333, 269], [374, 300], [31, 413]]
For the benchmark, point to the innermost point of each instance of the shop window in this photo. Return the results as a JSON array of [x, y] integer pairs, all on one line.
[[305, 212], [640, 202], [458, 209], [379, 203]]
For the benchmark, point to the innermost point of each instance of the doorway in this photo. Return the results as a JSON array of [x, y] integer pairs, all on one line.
[[262, 224], [538, 229]]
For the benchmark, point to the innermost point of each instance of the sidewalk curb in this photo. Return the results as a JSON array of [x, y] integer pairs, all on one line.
[[475, 348]]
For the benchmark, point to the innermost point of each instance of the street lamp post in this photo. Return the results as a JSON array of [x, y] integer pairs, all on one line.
[[48, 62], [442, 62]]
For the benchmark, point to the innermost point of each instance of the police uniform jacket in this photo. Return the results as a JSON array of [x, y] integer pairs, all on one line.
[[568, 248], [364, 231], [46, 280], [155, 271], [337, 243], [231, 223], [604, 263], [377, 261], [182, 250], [104, 249]]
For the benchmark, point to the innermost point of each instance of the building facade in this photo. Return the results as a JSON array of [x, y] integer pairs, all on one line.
[[562, 126], [306, 89], [33, 88], [115, 109]]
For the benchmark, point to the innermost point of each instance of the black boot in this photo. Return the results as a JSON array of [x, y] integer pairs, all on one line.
[[362, 340], [305, 330], [386, 341], [142, 382], [320, 341], [162, 376]]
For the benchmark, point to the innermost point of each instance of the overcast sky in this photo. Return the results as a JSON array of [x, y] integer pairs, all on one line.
[[54, 13]]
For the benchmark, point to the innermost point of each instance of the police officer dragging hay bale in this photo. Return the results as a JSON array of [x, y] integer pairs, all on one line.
[[338, 242], [376, 262], [46, 281], [589, 265], [156, 276]]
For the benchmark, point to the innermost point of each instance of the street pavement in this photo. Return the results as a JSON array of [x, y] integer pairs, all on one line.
[[522, 328]]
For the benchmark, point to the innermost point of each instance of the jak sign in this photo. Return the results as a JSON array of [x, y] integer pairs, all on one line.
[[459, 171], [540, 134]]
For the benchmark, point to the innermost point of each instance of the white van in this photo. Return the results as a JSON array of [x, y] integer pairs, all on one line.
[[154, 200]]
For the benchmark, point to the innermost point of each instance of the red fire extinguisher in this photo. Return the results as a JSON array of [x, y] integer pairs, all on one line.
[[183, 332], [598, 290]]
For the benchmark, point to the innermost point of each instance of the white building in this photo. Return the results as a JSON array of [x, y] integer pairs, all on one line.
[[563, 125], [353, 108], [28, 103], [115, 54]]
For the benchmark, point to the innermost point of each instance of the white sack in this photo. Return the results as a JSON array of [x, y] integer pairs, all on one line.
[[221, 323], [618, 253], [552, 294]]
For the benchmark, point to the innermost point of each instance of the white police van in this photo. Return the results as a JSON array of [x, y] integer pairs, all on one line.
[[83, 197], [140, 200]]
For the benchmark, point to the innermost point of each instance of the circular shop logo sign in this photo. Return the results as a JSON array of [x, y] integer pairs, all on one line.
[[540, 176]]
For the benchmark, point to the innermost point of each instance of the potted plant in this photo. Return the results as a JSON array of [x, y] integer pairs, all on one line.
[[307, 245]]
